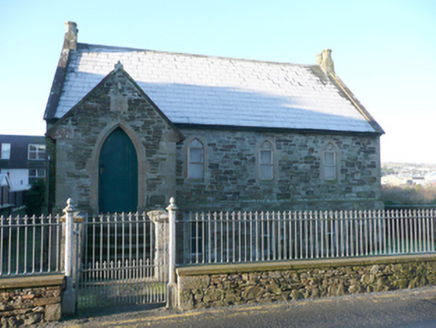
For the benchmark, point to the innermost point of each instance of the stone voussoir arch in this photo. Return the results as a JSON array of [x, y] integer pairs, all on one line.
[[93, 164]]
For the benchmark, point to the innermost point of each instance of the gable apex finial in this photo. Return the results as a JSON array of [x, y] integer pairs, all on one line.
[[118, 66]]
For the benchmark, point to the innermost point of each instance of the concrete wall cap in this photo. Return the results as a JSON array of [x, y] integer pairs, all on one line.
[[32, 281], [295, 265]]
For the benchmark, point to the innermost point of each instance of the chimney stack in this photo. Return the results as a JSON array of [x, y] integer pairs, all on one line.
[[324, 59], [70, 39], [319, 59]]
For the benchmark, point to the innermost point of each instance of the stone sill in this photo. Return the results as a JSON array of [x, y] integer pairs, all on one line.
[[197, 270], [32, 281]]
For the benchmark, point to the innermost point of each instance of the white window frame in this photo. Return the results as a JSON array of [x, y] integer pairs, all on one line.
[[270, 164], [37, 175], [330, 170], [5, 151], [192, 164], [330, 167], [39, 152]]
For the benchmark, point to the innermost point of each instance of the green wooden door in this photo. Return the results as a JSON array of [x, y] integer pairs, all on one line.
[[118, 174]]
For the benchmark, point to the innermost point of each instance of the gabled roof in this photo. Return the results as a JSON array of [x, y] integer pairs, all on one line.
[[204, 90], [5, 181], [118, 70]]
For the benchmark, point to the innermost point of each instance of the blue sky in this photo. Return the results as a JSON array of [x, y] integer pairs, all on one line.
[[385, 51]]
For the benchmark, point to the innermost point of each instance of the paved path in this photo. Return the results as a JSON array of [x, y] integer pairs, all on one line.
[[407, 308]]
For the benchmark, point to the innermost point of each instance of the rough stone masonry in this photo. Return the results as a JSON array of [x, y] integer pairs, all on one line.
[[271, 282], [26, 301], [231, 180]]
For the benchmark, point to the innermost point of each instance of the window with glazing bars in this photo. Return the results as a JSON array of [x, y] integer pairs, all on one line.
[[329, 165], [36, 152], [195, 160], [266, 162]]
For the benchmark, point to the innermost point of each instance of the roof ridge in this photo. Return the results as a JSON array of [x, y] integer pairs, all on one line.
[[195, 55]]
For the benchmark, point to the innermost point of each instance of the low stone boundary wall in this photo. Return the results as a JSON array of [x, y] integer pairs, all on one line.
[[222, 285], [30, 300]]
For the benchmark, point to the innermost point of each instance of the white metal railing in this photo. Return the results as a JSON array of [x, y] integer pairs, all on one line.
[[122, 261], [30, 245], [223, 237], [114, 258], [118, 237]]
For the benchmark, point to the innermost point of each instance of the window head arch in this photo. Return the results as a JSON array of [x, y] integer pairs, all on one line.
[[196, 160], [266, 161]]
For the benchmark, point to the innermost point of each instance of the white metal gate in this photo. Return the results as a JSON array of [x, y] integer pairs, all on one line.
[[121, 259]]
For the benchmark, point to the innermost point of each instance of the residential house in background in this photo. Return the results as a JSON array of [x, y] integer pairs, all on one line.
[[130, 128], [6, 196], [22, 161]]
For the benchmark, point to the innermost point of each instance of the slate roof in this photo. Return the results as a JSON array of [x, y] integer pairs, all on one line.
[[205, 90]]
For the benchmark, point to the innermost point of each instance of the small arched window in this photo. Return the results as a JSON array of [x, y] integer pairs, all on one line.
[[266, 161], [330, 161], [195, 160]]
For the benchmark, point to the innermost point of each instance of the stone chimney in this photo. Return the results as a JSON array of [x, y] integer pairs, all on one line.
[[70, 39], [319, 59], [324, 59]]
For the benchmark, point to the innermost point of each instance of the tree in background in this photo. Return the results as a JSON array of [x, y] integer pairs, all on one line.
[[409, 195], [34, 198]]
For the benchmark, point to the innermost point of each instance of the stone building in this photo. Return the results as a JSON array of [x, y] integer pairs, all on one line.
[[130, 128]]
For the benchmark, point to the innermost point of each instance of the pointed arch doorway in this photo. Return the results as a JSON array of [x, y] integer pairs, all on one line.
[[118, 174]]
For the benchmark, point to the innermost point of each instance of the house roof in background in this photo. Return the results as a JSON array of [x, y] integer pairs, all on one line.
[[21, 139], [4, 180], [205, 90]]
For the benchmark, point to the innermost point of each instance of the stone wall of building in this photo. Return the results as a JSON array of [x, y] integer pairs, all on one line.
[[231, 172], [80, 134], [30, 300], [201, 287]]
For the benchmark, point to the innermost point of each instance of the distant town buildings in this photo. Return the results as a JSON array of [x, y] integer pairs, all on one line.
[[398, 174]]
